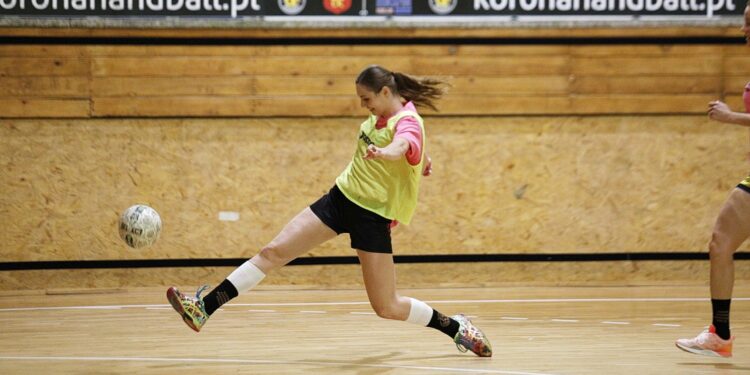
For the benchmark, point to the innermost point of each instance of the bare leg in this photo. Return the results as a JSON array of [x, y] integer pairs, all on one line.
[[731, 229], [299, 236], [379, 274]]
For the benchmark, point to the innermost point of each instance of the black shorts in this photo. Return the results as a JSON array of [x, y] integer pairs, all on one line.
[[367, 230]]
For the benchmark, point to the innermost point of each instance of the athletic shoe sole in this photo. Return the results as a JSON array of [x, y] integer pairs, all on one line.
[[174, 300], [706, 352]]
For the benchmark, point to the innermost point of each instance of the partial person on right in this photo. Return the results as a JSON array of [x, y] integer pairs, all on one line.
[[732, 228]]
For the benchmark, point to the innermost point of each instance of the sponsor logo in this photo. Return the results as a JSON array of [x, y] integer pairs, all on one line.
[[442, 6], [292, 7], [393, 7], [337, 6]]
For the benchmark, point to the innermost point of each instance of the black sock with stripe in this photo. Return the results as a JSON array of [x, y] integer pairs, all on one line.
[[720, 320], [219, 296], [443, 324]]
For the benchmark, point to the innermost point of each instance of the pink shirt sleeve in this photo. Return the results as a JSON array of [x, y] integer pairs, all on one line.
[[409, 129]]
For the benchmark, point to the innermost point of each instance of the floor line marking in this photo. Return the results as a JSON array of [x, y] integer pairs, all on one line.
[[610, 322], [259, 361], [554, 300]]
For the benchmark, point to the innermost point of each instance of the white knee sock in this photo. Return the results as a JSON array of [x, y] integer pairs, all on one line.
[[246, 277], [420, 313]]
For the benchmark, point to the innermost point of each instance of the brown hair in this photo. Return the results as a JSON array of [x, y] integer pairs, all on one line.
[[422, 91]]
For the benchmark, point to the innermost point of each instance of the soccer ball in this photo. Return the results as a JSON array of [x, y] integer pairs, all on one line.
[[140, 226]]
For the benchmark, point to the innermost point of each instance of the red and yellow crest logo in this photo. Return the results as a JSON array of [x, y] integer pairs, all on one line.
[[337, 6]]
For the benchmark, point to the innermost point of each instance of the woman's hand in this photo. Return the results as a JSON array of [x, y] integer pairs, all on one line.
[[373, 152], [427, 169], [394, 151], [719, 111]]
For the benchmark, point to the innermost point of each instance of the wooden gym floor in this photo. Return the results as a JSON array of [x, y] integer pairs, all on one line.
[[534, 330]]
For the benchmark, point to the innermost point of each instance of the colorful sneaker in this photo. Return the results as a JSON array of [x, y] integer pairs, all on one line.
[[707, 343], [190, 309], [471, 338]]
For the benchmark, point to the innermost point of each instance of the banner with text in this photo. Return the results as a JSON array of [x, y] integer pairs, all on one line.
[[366, 8]]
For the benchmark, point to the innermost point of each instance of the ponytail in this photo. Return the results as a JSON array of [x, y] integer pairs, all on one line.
[[423, 92]]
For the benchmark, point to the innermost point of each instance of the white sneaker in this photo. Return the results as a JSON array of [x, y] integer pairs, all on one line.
[[707, 343]]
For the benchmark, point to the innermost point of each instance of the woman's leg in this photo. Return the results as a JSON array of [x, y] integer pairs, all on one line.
[[302, 233], [731, 229], [299, 236], [379, 273]]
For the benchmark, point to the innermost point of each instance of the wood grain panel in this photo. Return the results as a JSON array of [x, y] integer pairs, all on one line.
[[590, 104], [34, 107], [298, 80], [309, 85], [210, 106], [667, 66], [649, 50], [328, 50], [45, 86], [735, 84], [43, 50], [737, 65], [349, 66], [542, 85], [584, 184], [47, 66], [645, 85], [222, 86]]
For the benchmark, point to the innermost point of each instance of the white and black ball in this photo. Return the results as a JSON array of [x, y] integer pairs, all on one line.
[[140, 226]]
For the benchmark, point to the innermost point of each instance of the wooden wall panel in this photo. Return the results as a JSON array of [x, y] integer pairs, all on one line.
[[665, 66], [541, 85], [591, 104], [225, 107], [338, 65], [332, 50], [510, 184], [44, 81], [43, 66], [49, 86], [652, 50], [264, 85], [737, 65], [42, 50], [645, 85], [735, 84], [303, 80], [505, 105], [42, 107]]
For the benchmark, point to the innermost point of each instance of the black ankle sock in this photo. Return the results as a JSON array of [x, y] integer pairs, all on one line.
[[219, 296], [720, 321], [443, 324]]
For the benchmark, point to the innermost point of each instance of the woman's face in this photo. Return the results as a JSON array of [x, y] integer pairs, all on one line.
[[376, 103], [746, 26]]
